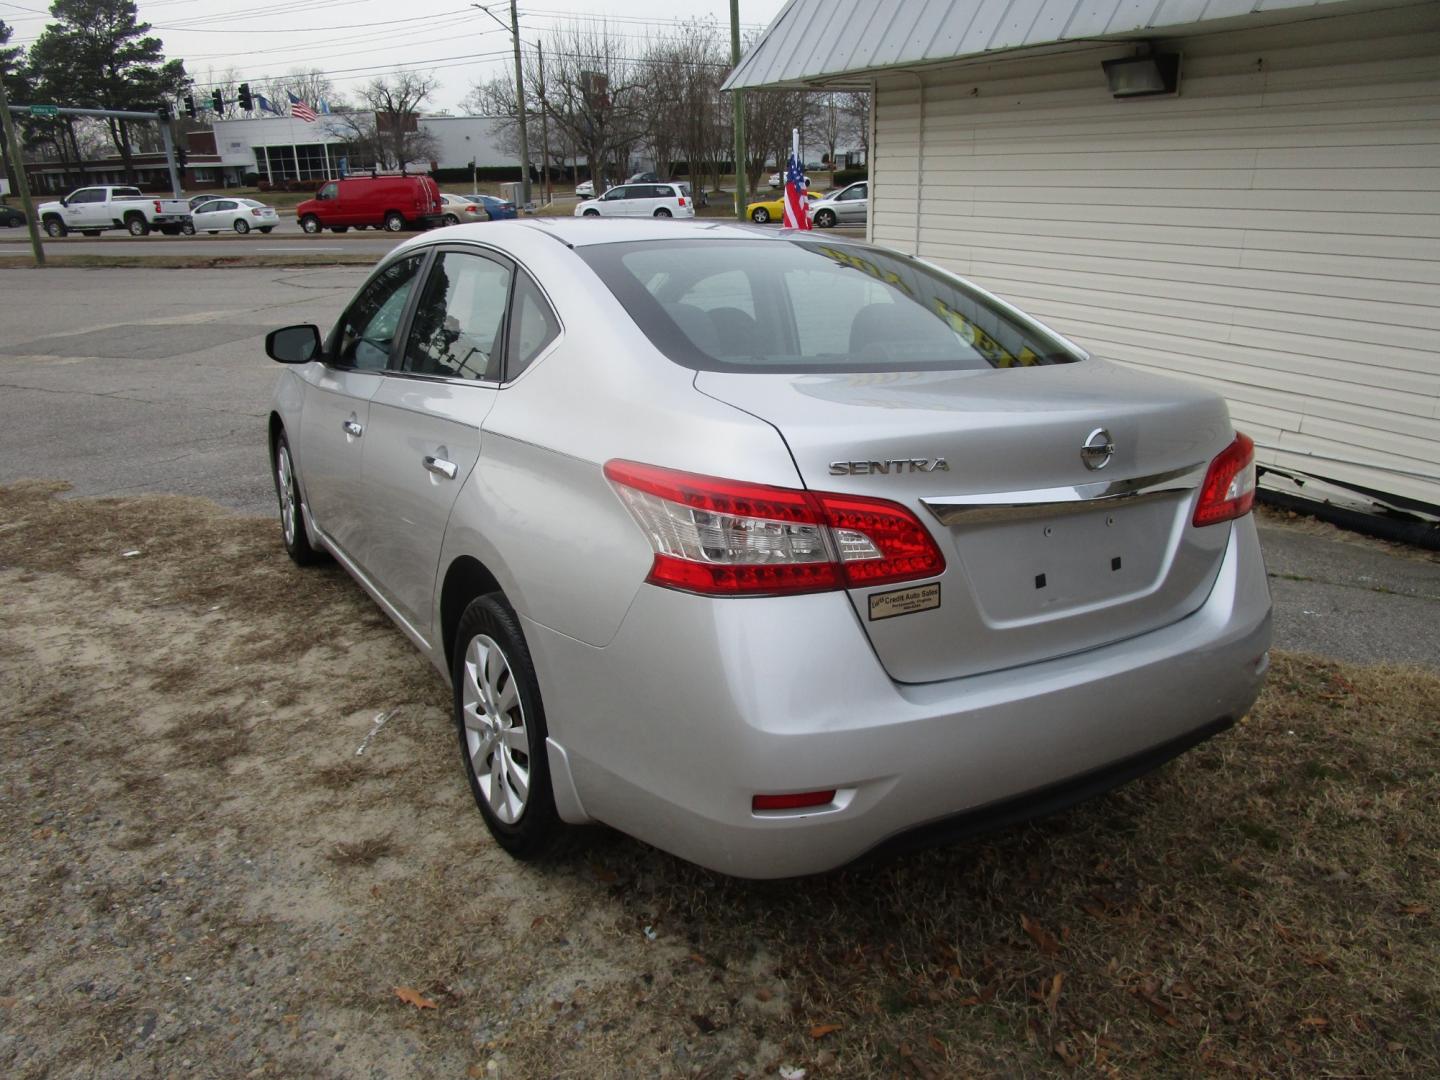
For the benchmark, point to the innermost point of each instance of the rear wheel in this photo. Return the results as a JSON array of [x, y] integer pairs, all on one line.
[[188, 229], [242, 227], [760, 215], [55, 227], [451, 219], [310, 223], [662, 212], [501, 724], [137, 225], [292, 515], [825, 219], [394, 222]]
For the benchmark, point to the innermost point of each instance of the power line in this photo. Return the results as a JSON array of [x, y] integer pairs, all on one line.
[[310, 29]]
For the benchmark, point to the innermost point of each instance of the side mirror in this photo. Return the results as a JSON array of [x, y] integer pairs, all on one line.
[[64, 201], [293, 344]]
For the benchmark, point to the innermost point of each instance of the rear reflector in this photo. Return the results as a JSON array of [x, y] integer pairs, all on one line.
[[1229, 488], [732, 538], [797, 801]]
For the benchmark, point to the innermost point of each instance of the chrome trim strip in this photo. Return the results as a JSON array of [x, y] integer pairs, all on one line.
[[1054, 502]]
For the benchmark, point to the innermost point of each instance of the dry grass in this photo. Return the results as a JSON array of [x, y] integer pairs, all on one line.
[[180, 753]]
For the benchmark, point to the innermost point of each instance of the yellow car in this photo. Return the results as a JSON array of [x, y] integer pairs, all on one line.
[[773, 209]]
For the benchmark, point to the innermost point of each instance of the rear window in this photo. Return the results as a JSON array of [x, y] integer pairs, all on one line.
[[809, 306]]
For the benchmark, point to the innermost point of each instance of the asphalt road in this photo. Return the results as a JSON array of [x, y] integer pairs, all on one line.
[[130, 381]]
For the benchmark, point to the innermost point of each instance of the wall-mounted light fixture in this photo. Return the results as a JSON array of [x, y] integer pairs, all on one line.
[[1143, 76]]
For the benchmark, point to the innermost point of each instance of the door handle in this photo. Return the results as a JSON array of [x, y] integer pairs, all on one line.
[[352, 427], [440, 467]]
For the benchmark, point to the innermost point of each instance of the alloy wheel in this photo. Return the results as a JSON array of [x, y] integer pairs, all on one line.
[[285, 484], [496, 740]]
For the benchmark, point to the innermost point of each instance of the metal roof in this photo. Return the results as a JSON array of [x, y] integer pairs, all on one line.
[[819, 40]]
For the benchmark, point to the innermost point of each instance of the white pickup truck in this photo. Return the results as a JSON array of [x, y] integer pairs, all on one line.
[[92, 210]]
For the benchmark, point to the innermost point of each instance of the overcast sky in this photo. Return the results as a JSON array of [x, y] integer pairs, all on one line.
[[355, 40]]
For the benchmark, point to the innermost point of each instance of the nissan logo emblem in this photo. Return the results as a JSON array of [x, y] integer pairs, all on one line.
[[1097, 449]]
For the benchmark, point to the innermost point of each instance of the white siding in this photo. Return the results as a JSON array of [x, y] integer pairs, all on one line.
[[1273, 232]]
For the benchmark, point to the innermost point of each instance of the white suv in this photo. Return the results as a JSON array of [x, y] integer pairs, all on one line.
[[640, 200]]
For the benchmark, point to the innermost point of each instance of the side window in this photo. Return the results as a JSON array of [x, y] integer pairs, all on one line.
[[532, 326], [458, 324], [366, 331], [88, 195], [617, 193], [329, 191]]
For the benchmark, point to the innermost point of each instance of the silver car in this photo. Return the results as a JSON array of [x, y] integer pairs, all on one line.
[[765, 585], [848, 206]]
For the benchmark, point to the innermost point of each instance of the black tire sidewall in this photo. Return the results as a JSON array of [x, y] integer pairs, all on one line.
[[310, 225], [398, 223], [241, 227], [825, 219], [539, 822]]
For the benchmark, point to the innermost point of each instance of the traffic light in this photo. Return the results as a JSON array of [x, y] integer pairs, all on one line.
[[163, 111], [217, 101], [190, 106], [182, 155], [246, 102]]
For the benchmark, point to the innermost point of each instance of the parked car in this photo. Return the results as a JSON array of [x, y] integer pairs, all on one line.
[[93, 210], [239, 215], [777, 179], [763, 582], [459, 208], [848, 206], [643, 178], [10, 217], [393, 203], [774, 209], [640, 200], [585, 189], [495, 209]]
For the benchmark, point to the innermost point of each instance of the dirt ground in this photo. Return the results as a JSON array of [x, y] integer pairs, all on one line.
[[203, 875]]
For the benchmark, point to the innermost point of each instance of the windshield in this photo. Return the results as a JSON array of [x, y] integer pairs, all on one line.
[[807, 306]]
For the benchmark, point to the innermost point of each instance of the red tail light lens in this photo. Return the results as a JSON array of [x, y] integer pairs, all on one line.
[[797, 801], [1229, 488], [682, 200], [731, 538]]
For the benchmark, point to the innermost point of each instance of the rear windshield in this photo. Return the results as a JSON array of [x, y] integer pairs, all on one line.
[[808, 306]]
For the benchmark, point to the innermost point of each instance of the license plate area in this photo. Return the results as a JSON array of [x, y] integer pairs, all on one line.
[[1038, 569]]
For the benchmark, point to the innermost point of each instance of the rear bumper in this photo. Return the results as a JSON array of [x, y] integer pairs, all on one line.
[[699, 704]]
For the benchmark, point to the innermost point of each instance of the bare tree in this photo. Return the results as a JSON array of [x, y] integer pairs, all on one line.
[[395, 100], [828, 121], [310, 85], [855, 104], [684, 117]]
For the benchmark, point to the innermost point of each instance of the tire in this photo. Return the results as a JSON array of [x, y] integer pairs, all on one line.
[[137, 225], [760, 215], [266, 229], [394, 222], [591, 213], [242, 227], [499, 765], [55, 227], [188, 229], [662, 212], [825, 219], [451, 219], [310, 223], [292, 515]]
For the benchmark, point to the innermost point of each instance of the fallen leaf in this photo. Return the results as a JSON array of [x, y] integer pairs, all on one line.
[[536, 922], [763, 994], [819, 1031], [414, 997], [695, 956], [476, 1072], [1315, 1022], [1415, 909], [935, 1044], [1066, 1054], [1044, 940]]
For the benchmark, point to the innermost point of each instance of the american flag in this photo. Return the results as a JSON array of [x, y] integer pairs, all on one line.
[[301, 111], [797, 210]]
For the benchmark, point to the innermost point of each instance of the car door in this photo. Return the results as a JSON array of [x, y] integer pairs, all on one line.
[[80, 209], [336, 412], [642, 199], [216, 214], [425, 418], [613, 202], [853, 202]]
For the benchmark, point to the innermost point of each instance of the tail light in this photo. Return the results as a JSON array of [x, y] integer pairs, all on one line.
[[1229, 488], [254, 212], [682, 200], [731, 538]]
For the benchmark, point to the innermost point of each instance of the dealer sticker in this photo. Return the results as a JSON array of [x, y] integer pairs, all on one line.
[[887, 605]]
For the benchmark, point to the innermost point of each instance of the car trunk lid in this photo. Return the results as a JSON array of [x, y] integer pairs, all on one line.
[[1045, 556]]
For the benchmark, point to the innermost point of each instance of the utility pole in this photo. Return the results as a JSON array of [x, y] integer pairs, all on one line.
[[544, 128], [514, 29], [22, 182], [738, 97]]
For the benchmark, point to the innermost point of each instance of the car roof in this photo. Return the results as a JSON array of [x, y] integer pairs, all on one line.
[[589, 232]]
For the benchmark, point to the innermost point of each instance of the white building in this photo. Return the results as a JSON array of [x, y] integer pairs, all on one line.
[[284, 148], [1271, 229]]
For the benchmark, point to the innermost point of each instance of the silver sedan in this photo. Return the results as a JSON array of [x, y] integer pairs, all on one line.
[[766, 586]]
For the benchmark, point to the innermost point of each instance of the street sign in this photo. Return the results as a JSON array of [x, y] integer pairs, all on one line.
[[44, 110]]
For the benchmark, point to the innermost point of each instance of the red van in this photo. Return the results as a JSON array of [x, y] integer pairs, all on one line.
[[391, 202]]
